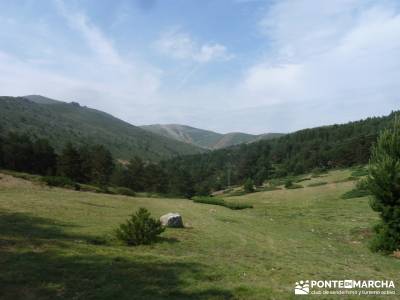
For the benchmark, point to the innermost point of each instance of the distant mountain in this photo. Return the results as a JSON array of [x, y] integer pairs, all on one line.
[[61, 122], [205, 138]]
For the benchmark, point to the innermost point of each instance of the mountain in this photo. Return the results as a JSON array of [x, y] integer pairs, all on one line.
[[61, 122], [41, 100], [205, 138], [312, 150]]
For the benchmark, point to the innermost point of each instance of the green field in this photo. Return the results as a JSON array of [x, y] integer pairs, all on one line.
[[53, 244]]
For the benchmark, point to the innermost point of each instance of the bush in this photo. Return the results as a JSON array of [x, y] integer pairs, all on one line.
[[140, 229], [317, 183], [58, 181], [359, 172], [385, 239], [237, 193], [268, 189], [249, 186], [209, 200], [290, 185], [355, 193], [124, 191], [237, 206], [384, 183], [295, 186], [303, 179], [221, 202]]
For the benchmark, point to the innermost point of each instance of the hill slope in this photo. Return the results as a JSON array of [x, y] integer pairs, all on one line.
[[205, 138], [61, 122], [326, 147], [54, 246]]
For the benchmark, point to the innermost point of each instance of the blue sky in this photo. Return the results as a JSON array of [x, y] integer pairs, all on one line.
[[224, 65]]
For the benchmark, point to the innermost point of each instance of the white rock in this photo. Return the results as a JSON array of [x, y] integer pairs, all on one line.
[[172, 220]]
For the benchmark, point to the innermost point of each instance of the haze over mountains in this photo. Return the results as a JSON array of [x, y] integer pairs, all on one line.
[[61, 122], [205, 138]]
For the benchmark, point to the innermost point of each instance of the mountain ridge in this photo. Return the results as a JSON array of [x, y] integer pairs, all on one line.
[[206, 139], [61, 122]]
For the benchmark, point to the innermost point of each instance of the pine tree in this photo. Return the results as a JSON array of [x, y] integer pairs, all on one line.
[[70, 163], [249, 186], [384, 184], [102, 165]]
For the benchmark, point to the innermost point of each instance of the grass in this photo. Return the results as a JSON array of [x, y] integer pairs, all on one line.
[[221, 202], [54, 244], [355, 193]]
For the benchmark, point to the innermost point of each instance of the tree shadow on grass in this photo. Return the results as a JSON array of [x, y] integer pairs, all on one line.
[[59, 270]]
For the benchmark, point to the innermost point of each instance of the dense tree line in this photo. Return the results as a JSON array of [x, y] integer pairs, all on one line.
[[300, 152], [86, 164], [89, 164], [303, 151]]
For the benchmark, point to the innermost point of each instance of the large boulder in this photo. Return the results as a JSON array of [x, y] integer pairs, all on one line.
[[172, 220]]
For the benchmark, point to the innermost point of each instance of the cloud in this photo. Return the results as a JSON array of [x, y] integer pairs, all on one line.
[[94, 37], [92, 72], [322, 62], [324, 52], [180, 45]]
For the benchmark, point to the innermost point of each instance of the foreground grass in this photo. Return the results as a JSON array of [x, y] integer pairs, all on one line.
[[49, 244]]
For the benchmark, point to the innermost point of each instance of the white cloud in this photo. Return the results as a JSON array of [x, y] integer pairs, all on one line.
[[180, 45], [100, 77], [326, 51], [325, 62], [94, 37]]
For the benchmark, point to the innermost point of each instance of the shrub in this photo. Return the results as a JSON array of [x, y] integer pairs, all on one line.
[[359, 172], [221, 202], [58, 181], [355, 193], [209, 200], [384, 184], [124, 191], [303, 179], [268, 189], [295, 186], [237, 206], [140, 229], [290, 185], [249, 186], [317, 183], [237, 193]]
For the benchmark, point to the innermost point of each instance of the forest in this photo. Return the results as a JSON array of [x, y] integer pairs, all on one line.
[[308, 150]]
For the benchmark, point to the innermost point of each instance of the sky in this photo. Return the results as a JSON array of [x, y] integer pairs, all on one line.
[[225, 65]]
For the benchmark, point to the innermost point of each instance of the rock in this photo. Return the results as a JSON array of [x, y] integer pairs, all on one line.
[[172, 220]]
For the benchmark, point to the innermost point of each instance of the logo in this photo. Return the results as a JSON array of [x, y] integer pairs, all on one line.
[[345, 287], [302, 288]]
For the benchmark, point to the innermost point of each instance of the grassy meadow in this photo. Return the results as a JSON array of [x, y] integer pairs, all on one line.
[[54, 244]]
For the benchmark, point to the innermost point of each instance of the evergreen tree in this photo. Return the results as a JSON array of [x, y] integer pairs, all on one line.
[[249, 186], [135, 174], [18, 152], [384, 184], [102, 165], [70, 163], [44, 158]]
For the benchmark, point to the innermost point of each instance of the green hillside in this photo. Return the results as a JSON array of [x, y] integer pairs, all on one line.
[[61, 122], [319, 148], [205, 138], [53, 244]]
